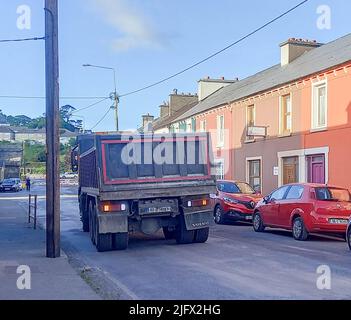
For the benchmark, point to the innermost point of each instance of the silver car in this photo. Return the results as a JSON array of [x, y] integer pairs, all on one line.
[[13, 184]]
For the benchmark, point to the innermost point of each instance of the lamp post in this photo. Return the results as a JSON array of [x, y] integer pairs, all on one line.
[[114, 95]]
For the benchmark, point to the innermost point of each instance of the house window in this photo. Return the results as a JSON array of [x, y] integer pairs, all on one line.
[[219, 165], [290, 170], [285, 115], [220, 131], [189, 127], [203, 126], [250, 119], [319, 106], [254, 174]]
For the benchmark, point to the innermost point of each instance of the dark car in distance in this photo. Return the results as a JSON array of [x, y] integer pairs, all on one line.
[[14, 184], [305, 208], [234, 201]]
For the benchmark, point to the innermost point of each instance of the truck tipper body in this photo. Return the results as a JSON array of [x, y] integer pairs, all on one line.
[[144, 183]]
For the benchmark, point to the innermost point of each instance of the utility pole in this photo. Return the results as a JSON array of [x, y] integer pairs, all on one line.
[[116, 98], [53, 249]]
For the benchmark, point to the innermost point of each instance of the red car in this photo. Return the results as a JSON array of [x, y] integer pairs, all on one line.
[[304, 209], [234, 201]]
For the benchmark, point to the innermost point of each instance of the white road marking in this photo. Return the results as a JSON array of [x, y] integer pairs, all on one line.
[[68, 196]]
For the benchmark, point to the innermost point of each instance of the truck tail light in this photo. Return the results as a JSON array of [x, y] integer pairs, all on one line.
[[198, 203], [113, 207]]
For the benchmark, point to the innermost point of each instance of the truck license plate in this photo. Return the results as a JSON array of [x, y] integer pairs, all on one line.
[[159, 210]]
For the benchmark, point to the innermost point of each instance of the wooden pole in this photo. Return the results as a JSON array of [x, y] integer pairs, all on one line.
[[52, 131]]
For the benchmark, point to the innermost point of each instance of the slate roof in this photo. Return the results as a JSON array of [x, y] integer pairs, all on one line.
[[319, 59], [166, 121]]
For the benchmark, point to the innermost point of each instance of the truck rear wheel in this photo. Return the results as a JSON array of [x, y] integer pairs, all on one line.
[[201, 235], [103, 242], [184, 236], [84, 215], [120, 241], [91, 220], [169, 235]]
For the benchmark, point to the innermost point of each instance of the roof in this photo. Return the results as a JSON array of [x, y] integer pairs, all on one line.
[[5, 129], [166, 121], [26, 130], [319, 59]]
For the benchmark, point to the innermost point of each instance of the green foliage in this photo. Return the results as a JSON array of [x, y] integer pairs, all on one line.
[[39, 123], [34, 152]]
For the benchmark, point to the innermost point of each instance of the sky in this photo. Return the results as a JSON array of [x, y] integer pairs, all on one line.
[[145, 41]]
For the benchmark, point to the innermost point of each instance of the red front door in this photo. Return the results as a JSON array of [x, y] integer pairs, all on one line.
[[316, 169]]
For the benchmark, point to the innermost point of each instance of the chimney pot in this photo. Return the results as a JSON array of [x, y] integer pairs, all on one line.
[[294, 48]]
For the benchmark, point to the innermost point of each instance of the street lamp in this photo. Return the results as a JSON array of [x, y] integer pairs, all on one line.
[[114, 95]]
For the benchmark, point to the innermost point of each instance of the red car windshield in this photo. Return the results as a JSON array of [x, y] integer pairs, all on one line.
[[235, 188], [333, 194]]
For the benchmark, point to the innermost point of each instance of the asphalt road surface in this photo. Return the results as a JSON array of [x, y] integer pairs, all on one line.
[[236, 262]]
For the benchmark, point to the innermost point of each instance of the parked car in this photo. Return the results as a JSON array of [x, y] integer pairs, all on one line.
[[348, 234], [69, 175], [304, 209], [234, 201], [14, 184]]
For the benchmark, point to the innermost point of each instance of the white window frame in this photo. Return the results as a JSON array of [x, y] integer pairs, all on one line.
[[220, 132], [281, 131], [203, 126], [314, 109], [189, 126], [248, 138], [260, 158], [220, 161]]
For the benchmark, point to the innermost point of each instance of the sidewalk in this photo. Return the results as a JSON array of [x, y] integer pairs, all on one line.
[[51, 279]]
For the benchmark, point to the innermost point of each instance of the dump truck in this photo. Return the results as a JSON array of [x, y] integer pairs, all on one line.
[[144, 183]]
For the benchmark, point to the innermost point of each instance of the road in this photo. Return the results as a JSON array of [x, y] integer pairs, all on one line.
[[236, 262]]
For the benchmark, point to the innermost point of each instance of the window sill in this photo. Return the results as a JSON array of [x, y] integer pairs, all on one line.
[[319, 129], [250, 141], [285, 135]]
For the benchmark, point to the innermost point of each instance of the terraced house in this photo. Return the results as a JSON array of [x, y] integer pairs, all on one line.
[[289, 123]]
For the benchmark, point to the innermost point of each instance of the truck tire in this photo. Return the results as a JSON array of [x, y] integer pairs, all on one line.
[[169, 235], [84, 215], [91, 220], [120, 241], [182, 235], [103, 242], [201, 235]]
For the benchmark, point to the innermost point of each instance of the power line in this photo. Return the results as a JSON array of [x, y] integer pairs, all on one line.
[[218, 52], [22, 40], [43, 98], [91, 105], [102, 119]]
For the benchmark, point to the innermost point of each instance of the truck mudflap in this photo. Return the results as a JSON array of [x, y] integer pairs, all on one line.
[[113, 223], [198, 220]]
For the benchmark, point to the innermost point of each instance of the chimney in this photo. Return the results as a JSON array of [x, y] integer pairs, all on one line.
[[147, 121], [294, 48], [208, 86], [164, 110]]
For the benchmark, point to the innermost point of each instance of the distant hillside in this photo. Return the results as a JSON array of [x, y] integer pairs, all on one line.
[[38, 123]]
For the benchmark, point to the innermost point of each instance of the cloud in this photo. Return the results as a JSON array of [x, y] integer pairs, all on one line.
[[134, 27]]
